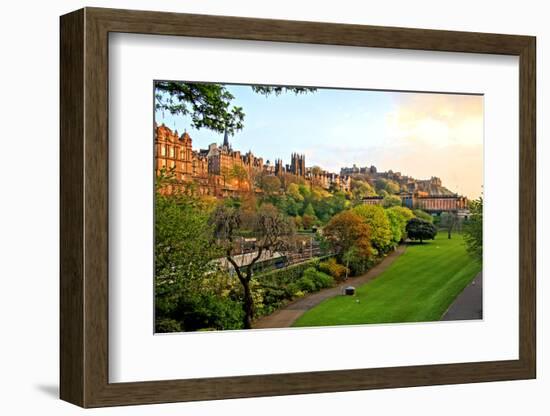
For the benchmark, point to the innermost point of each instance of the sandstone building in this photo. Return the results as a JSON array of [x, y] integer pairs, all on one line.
[[221, 171]]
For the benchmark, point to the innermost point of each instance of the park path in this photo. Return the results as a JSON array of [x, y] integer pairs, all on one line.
[[287, 315], [469, 304]]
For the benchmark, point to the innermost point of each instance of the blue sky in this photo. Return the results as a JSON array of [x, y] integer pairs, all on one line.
[[417, 134]]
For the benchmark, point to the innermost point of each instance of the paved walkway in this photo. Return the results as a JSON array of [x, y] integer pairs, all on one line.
[[469, 304], [286, 316]]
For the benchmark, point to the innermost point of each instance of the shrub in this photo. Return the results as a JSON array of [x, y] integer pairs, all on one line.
[[334, 269], [287, 275], [319, 279], [164, 325], [419, 229], [306, 284]]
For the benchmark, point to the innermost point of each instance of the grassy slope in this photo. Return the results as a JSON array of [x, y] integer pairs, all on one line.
[[419, 286]]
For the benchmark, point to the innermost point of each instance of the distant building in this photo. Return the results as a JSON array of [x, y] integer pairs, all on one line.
[[222, 171]]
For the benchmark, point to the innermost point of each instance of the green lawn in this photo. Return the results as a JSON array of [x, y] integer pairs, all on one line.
[[419, 286]]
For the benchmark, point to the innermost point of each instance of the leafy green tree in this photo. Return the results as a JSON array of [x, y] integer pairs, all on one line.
[[293, 191], [419, 229], [391, 187], [423, 215], [376, 218], [404, 214], [183, 256], [271, 230], [361, 189], [396, 226], [309, 210], [391, 201], [209, 105], [473, 229]]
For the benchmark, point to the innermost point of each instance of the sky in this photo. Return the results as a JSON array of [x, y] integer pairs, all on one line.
[[417, 134]]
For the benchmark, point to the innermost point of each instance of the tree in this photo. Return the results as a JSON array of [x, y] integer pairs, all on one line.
[[473, 229], [360, 189], [391, 201], [269, 184], [419, 229], [404, 214], [379, 225], [308, 221], [209, 105], [238, 173], [391, 187], [183, 256], [271, 230], [396, 226], [349, 236], [423, 215], [449, 220]]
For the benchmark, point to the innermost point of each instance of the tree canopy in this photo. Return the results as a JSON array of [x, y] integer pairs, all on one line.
[[419, 229], [375, 216], [210, 105], [473, 230]]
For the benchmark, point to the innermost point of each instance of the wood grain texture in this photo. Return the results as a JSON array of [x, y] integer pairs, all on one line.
[[84, 207], [71, 185]]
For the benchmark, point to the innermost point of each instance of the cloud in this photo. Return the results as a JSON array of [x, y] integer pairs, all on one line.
[[440, 135], [437, 119]]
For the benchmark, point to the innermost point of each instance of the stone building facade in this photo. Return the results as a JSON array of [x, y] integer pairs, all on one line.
[[221, 171]]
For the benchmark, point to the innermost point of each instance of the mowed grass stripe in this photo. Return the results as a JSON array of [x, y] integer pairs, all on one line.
[[419, 286]]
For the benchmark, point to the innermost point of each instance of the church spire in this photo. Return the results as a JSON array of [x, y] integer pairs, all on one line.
[[226, 139]]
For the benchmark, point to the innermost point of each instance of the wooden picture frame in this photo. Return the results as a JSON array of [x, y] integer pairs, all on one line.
[[84, 207]]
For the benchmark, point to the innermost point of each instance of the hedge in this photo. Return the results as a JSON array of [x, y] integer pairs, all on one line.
[[288, 274]]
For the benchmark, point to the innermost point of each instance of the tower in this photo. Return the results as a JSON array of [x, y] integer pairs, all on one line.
[[298, 164], [226, 139], [278, 167]]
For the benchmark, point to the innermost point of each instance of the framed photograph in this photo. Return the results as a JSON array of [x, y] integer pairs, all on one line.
[[255, 207]]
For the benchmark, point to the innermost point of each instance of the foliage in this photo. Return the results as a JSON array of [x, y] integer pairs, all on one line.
[[182, 248], [270, 184], [313, 280], [391, 201], [350, 238], [448, 221], [379, 225], [308, 221], [334, 269], [473, 230], [271, 230], [237, 173], [404, 214], [187, 294], [423, 215], [347, 230], [387, 185], [209, 105], [278, 90], [164, 325], [419, 229], [396, 227], [290, 274], [361, 189]]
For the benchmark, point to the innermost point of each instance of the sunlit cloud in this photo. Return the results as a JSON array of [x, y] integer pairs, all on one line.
[[438, 134]]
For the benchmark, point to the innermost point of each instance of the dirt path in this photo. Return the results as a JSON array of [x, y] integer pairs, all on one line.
[[286, 316]]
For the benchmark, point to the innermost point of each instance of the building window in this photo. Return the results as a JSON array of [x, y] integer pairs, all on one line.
[[162, 150]]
